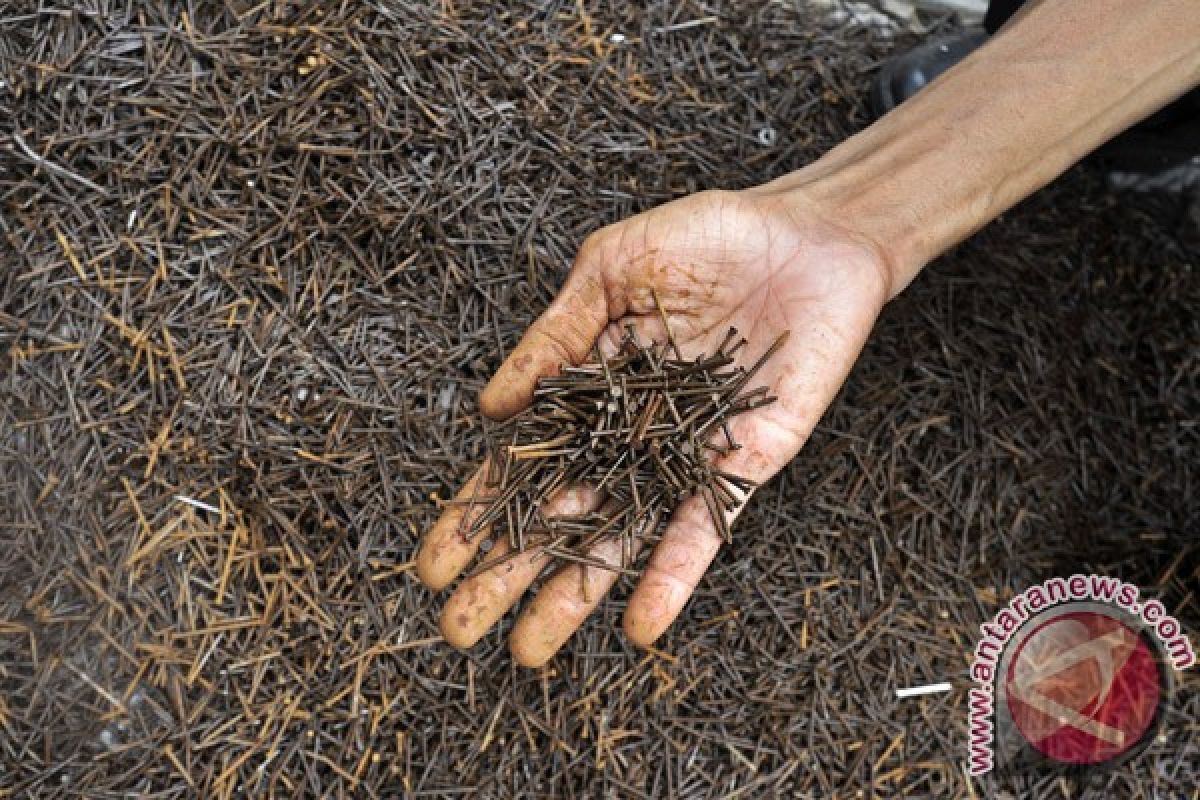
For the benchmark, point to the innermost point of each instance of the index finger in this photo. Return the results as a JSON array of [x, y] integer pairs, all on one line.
[[448, 548]]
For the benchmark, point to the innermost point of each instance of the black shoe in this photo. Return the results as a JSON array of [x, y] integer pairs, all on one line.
[[905, 75]]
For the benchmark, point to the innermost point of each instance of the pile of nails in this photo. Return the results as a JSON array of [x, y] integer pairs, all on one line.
[[640, 429]]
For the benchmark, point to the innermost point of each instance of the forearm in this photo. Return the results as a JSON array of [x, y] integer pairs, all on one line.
[[1060, 80]]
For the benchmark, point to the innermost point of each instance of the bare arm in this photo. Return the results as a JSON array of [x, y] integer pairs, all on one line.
[[1060, 79]]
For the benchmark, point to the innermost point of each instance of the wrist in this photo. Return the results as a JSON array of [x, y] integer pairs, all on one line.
[[871, 205], [872, 194]]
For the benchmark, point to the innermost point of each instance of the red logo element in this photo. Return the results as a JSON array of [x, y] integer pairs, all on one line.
[[1083, 688]]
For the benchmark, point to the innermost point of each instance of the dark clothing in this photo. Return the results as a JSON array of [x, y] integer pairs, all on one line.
[[998, 13]]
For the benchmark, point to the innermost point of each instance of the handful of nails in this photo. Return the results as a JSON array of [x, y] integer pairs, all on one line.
[[640, 429]]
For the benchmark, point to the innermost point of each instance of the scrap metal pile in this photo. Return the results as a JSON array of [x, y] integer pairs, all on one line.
[[257, 261]]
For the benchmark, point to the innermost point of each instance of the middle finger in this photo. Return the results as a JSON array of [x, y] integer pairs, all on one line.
[[482, 599]]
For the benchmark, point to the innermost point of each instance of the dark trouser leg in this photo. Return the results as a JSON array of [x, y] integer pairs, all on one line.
[[998, 13]]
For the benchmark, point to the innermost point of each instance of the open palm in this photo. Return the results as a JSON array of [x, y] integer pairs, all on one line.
[[713, 260]]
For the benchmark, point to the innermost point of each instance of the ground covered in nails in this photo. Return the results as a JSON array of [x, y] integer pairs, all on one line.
[[256, 262]]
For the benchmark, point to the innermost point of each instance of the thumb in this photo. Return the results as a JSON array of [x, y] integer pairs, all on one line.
[[563, 334]]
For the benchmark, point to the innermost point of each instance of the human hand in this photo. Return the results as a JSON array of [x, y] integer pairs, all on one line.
[[760, 260]]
